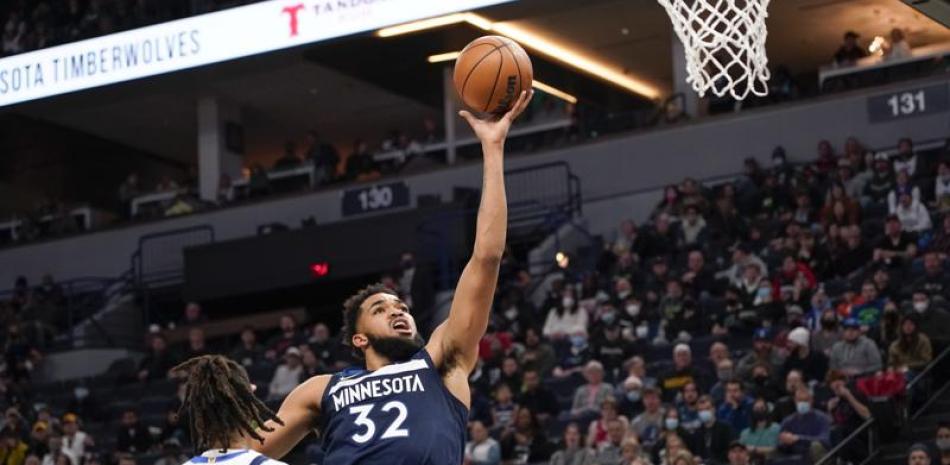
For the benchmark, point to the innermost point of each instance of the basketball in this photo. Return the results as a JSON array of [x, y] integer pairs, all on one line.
[[490, 74]]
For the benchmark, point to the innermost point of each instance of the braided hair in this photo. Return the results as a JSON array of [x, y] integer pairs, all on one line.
[[219, 402]]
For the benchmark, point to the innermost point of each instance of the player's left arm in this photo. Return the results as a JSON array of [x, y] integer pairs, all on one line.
[[456, 340]]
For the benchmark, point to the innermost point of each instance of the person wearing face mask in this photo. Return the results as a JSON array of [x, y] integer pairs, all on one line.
[[828, 332], [940, 454], [672, 431], [807, 431], [629, 392], [724, 373], [763, 351], [934, 321], [762, 383], [761, 437], [609, 348], [566, 319], [711, 441], [811, 363]]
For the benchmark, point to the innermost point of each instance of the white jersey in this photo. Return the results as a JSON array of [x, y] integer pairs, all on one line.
[[232, 457]]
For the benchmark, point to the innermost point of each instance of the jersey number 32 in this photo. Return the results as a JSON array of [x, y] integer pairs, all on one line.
[[394, 429]]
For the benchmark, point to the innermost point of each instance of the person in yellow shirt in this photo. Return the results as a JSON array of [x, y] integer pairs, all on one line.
[[12, 449]]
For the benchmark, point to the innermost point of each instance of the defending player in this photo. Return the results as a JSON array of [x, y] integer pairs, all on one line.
[[410, 404], [224, 417]]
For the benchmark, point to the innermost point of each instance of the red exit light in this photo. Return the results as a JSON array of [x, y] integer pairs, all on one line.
[[320, 270]]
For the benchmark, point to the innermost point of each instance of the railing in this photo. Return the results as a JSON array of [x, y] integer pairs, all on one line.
[[866, 428]]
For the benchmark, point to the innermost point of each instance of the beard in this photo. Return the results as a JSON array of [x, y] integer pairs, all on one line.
[[396, 349]]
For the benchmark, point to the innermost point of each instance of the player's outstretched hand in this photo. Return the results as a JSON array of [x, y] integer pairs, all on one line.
[[495, 129]]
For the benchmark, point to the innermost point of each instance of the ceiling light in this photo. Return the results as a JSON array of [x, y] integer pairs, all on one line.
[[536, 42], [440, 57], [553, 91]]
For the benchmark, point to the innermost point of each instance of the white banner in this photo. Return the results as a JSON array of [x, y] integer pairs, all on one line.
[[205, 39]]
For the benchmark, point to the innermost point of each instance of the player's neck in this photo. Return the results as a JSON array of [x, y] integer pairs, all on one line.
[[375, 361], [237, 442]]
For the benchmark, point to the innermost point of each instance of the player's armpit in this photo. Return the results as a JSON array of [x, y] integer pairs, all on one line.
[[456, 340], [299, 412]]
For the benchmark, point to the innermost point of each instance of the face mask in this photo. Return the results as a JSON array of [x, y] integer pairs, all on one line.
[[633, 396], [642, 331], [920, 307], [760, 379], [578, 341], [705, 416], [759, 416], [80, 392], [633, 310], [567, 302], [778, 162], [623, 294], [724, 375], [802, 407], [511, 313], [671, 423], [943, 444], [609, 318], [829, 323]]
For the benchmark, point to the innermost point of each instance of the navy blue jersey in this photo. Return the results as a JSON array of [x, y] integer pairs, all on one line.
[[399, 414]]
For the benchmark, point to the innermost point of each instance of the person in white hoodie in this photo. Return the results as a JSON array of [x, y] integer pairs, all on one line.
[[912, 214]]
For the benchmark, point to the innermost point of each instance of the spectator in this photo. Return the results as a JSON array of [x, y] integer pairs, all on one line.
[[589, 397], [898, 48], [323, 346], [597, 432], [880, 184], [287, 375], [324, 157], [675, 446], [648, 424], [74, 440], [248, 352], [741, 256], [698, 278], [918, 455], [573, 452], [850, 51], [311, 364], [171, 453], [632, 453], [763, 383], [13, 449], [725, 371], [536, 396], [39, 438], [129, 190], [692, 229], [763, 351], [738, 454], [687, 407], [258, 183], [913, 215], [848, 409], [158, 362], [482, 449], [193, 315], [736, 409], [812, 364], [907, 160], [941, 454], [855, 354], [672, 426], [360, 165], [288, 337], [537, 354], [132, 437], [903, 186], [934, 282], [630, 392], [897, 246], [761, 437], [611, 451], [526, 442], [942, 186], [289, 160], [711, 441], [566, 320], [934, 321], [681, 373], [911, 352], [503, 408], [172, 429], [610, 349], [828, 334], [196, 344], [805, 432]]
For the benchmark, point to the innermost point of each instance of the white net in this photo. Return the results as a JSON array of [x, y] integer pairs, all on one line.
[[725, 44]]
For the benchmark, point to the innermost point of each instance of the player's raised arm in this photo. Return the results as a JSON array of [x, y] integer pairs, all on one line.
[[458, 337], [299, 413]]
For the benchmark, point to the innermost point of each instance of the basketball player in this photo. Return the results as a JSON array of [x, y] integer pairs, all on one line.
[[224, 417], [410, 403]]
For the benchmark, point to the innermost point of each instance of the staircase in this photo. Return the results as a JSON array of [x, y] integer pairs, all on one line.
[[921, 429]]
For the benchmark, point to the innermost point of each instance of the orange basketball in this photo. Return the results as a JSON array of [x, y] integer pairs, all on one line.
[[490, 74]]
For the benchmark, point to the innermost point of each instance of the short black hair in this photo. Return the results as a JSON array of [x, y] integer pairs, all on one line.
[[351, 311]]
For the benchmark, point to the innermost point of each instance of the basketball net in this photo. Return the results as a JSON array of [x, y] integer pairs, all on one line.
[[724, 42]]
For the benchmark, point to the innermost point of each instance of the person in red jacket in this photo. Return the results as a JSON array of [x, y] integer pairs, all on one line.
[[793, 274]]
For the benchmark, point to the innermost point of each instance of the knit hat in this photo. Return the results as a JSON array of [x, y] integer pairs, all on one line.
[[799, 336]]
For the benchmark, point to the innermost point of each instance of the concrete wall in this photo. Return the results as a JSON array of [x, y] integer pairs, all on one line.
[[610, 166]]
